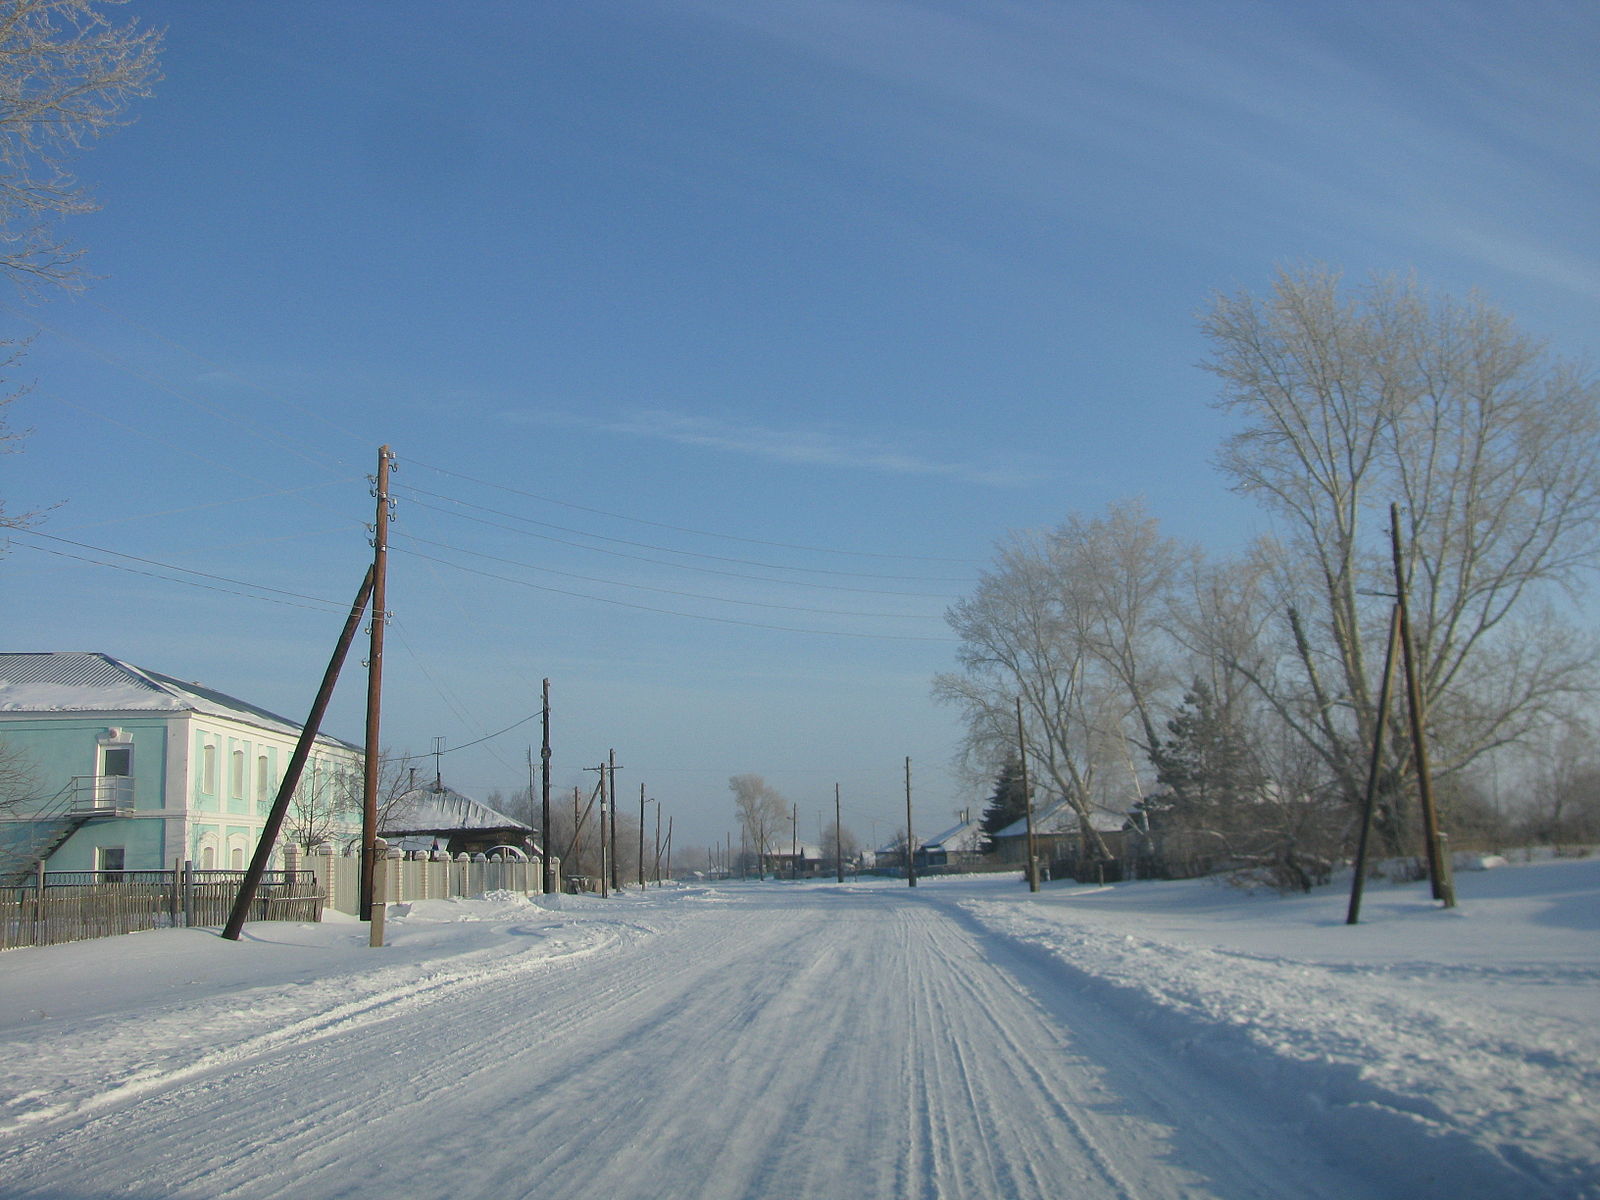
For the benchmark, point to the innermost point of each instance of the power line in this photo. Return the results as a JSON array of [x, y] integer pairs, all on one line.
[[893, 637], [327, 605], [685, 529], [413, 492], [643, 587]]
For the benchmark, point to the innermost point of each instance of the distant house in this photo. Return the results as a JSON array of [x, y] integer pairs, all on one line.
[[1058, 835], [441, 818], [962, 845], [130, 769], [790, 861]]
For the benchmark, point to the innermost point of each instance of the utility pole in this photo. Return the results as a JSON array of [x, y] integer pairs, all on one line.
[[1444, 888], [616, 869], [547, 876], [641, 837], [380, 618], [794, 842], [838, 836], [911, 841], [1027, 800], [669, 847]]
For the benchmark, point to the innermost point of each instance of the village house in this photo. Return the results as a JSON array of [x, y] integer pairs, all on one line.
[[129, 769]]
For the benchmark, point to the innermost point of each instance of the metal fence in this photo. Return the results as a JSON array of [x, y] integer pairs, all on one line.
[[70, 906]]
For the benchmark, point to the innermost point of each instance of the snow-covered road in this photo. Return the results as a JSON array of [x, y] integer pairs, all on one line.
[[744, 1042]]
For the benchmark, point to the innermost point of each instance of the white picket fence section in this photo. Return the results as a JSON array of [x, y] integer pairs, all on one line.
[[428, 876]]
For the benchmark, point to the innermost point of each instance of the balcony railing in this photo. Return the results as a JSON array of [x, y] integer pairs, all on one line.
[[94, 794]]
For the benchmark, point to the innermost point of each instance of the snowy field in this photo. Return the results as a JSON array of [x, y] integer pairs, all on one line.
[[962, 1039]]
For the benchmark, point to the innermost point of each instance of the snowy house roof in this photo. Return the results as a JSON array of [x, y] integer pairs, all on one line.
[[1061, 817], [967, 837], [88, 682], [426, 811]]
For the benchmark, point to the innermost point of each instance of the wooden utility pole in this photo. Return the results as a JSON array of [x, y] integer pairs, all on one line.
[[616, 869], [1353, 913], [794, 841], [1438, 859], [838, 836], [547, 876], [605, 874], [911, 840], [641, 837], [380, 619], [669, 847], [297, 762], [1027, 801]]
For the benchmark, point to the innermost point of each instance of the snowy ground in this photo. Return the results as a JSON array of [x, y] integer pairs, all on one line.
[[962, 1039]]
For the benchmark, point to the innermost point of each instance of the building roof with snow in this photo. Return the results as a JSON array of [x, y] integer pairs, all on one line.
[[80, 682], [441, 811], [1061, 817], [964, 838]]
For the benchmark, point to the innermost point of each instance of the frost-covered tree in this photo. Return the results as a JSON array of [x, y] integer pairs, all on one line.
[[68, 75], [1350, 399]]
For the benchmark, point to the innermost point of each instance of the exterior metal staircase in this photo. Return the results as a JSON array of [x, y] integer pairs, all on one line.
[[31, 837]]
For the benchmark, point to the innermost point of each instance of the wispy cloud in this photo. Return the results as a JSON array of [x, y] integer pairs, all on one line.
[[854, 451]]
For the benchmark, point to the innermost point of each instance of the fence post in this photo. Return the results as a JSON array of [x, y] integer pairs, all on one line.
[[38, 904], [188, 892], [175, 896]]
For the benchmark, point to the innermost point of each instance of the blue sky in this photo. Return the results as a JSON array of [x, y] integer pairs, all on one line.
[[717, 342]]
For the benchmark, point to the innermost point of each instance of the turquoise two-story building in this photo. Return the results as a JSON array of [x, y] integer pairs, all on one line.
[[112, 767]]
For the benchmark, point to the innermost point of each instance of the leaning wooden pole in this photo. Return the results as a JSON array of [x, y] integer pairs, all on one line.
[[380, 617], [297, 762], [1444, 888], [1353, 913]]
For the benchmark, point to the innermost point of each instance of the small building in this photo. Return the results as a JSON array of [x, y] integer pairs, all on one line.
[[1058, 837], [962, 845], [130, 769], [790, 861], [441, 818]]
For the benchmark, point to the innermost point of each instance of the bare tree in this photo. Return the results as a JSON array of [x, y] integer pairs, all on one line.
[[839, 844], [68, 74], [1353, 400], [1072, 623], [762, 813]]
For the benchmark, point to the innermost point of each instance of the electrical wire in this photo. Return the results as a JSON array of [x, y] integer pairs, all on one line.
[[328, 605], [893, 637], [411, 493], [643, 587], [684, 529]]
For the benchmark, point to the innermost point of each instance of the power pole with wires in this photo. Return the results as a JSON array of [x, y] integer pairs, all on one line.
[[547, 878], [616, 869], [838, 836], [380, 618], [911, 841]]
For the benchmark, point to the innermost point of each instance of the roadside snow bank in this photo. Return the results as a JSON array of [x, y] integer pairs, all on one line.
[[1450, 1051], [195, 1002]]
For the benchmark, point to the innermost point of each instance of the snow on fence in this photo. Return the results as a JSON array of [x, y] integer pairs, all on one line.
[[428, 875], [71, 906]]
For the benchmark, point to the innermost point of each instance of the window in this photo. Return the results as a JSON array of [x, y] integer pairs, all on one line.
[[236, 776], [263, 780], [208, 770], [238, 858], [109, 861]]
